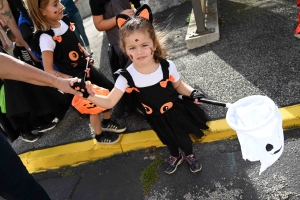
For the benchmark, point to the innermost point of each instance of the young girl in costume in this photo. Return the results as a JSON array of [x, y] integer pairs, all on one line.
[[104, 14], [156, 84], [59, 45]]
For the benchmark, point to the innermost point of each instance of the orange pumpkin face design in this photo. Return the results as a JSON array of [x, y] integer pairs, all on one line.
[[89, 105], [73, 55], [164, 108]]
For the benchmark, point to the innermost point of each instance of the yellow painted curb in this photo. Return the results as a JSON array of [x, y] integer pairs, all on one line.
[[82, 152]]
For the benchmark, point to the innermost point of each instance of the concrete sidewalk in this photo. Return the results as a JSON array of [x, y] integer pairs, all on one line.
[[257, 54]]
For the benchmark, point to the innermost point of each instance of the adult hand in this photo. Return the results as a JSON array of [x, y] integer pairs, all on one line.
[[65, 85], [128, 12]]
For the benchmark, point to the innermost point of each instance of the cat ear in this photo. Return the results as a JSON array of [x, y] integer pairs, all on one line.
[[121, 19], [145, 12]]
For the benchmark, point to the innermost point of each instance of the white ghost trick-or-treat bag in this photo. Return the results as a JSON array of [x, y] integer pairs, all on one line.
[[258, 124]]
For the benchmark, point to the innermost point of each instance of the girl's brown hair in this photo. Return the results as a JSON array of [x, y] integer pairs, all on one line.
[[40, 22], [141, 24]]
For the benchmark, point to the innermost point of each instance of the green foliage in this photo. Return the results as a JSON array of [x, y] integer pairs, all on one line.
[[67, 172], [150, 174], [188, 19]]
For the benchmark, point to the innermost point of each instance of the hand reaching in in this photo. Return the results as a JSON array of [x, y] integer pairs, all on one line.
[[65, 85], [84, 88]]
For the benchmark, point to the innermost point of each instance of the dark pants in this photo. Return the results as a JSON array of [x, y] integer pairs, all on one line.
[[15, 181], [174, 149]]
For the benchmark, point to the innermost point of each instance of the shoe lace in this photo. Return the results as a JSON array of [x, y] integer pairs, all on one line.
[[172, 160], [191, 159]]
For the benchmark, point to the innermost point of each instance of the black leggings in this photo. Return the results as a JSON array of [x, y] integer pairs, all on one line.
[[174, 150]]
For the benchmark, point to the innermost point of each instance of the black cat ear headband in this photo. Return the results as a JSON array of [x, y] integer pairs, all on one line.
[[144, 11]]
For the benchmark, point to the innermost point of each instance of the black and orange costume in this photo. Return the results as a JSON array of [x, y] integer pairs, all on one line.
[[29, 106], [74, 64], [171, 118]]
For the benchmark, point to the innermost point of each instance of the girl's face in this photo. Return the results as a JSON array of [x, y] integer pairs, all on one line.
[[53, 11], [139, 47]]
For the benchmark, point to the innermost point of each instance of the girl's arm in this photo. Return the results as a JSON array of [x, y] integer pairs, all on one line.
[[102, 24], [106, 101], [182, 88], [48, 65]]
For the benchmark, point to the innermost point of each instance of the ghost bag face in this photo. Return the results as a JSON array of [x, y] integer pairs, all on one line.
[[258, 124]]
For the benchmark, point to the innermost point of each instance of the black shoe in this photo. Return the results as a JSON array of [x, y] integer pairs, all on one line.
[[195, 166], [43, 128], [29, 137], [113, 126], [173, 163], [107, 138]]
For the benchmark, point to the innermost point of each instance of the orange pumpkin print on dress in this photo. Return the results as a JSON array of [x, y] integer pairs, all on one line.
[[73, 55]]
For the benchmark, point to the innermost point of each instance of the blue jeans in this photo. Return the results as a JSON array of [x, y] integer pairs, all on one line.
[[15, 181], [79, 28]]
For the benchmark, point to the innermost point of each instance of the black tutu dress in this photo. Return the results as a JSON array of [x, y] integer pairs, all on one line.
[[171, 118], [29, 106]]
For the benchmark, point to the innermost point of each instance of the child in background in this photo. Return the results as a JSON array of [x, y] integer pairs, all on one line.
[[74, 15], [19, 51], [104, 16], [30, 110], [59, 45], [156, 83], [26, 28]]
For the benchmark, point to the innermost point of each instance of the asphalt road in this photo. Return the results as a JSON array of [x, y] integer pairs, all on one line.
[[225, 175]]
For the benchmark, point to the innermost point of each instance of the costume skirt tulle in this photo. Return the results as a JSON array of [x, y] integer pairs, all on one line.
[[175, 125], [30, 105]]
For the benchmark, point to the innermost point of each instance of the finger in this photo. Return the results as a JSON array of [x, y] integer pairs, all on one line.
[[73, 81], [78, 93]]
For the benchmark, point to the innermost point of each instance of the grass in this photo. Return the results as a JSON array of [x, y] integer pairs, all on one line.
[[149, 175], [188, 19], [67, 172]]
